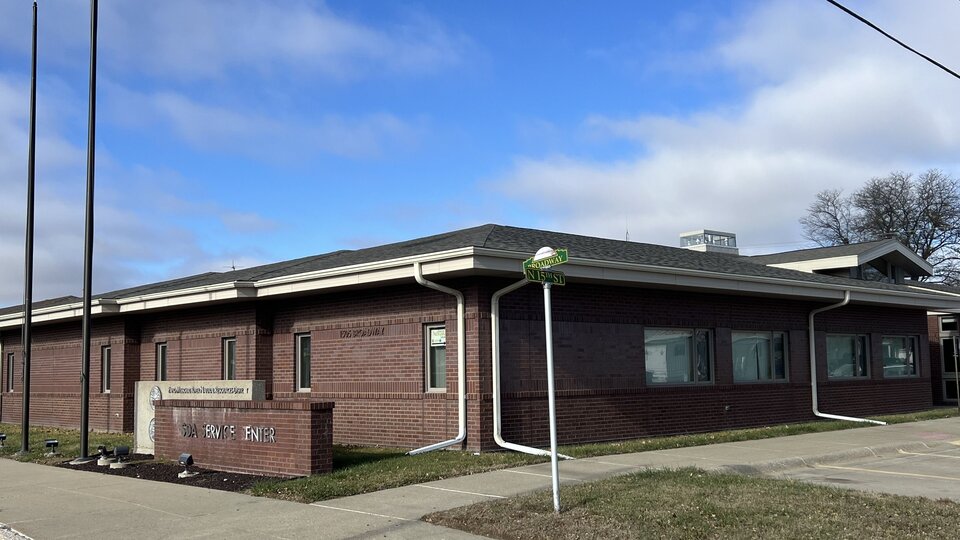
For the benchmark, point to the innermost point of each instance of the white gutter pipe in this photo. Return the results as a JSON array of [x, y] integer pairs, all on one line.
[[495, 354], [813, 367], [461, 364]]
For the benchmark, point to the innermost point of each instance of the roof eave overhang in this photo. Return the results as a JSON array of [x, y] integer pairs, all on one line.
[[474, 260]]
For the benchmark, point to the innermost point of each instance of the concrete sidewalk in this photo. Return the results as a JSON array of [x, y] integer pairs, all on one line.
[[48, 502]]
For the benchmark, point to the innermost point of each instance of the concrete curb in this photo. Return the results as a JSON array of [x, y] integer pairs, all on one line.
[[800, 462], [9, 533]]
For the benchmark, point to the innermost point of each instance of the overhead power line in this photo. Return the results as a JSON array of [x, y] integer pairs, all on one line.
[[895, 40]]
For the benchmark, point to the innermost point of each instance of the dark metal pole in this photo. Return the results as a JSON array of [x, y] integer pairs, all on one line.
[[28, 255], [88, 240]]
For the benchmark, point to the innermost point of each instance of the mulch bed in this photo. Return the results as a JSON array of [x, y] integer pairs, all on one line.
[[145, 467]]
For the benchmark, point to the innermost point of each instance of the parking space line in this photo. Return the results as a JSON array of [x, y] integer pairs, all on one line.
[[931, 454], [892, 473]]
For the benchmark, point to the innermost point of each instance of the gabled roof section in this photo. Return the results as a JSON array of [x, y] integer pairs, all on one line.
[[848, 256]]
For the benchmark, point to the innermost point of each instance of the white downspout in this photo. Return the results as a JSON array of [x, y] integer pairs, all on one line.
[[461, 364], [813, 366], [495, 354]]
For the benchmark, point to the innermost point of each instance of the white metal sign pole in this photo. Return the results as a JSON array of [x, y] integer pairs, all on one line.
[[548, 322]]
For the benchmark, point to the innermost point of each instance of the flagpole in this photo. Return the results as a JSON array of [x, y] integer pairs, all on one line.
[[26, 339], [88, 240]]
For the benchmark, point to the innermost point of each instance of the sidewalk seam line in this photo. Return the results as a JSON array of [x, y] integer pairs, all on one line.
[[360, 512], [460, 491]]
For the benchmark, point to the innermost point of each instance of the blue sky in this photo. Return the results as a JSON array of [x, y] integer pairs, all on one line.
[[248, 131]]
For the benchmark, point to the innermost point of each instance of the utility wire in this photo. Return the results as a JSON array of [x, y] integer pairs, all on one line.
[[897, 41]]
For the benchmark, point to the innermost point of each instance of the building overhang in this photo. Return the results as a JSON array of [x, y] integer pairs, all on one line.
[[475, 261], [892, 251]]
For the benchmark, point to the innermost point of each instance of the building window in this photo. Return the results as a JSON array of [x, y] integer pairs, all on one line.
[[229, 359], [948, 324], [105, 369], [675, 356], [436, 357], [303, 361], [899, 356], [847, 356], [161, 361], [10, 360], [759, 356]]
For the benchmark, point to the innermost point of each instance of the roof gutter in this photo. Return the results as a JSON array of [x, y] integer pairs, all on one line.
[[813, 367], [461, 364], [495, 354]]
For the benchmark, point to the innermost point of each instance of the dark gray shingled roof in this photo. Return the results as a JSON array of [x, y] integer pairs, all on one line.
[[502, 238], [63, 300], [817, 253]]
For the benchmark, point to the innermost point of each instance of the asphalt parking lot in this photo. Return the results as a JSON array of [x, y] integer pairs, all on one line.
[[934, 474]]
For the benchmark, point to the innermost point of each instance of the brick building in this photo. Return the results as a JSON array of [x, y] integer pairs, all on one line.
[[648, 340]]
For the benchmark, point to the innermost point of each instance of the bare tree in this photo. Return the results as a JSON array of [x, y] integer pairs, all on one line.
[[923, 213], [828, 221]]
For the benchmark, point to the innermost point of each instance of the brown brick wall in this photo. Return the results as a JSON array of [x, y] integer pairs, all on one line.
[[302, 435], [55, 376], [367, 356], [599, 364]]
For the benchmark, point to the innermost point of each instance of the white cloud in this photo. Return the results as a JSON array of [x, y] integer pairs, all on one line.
[[139, 237], [830, 104], [272, 138], [191, 40]]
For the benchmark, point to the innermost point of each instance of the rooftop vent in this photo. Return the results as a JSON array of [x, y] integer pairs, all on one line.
[[710, 241]]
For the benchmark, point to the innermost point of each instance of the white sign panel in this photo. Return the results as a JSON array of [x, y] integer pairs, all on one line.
[[149, 391]]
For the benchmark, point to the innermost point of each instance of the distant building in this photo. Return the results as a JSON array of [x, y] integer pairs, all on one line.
[[649, 340]]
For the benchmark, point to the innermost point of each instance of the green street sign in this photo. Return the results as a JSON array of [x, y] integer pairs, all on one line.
[[544, 276], [560, 258]]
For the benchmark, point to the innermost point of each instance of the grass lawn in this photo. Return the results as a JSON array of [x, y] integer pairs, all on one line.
[[734, 435], [69, 443], [689, 503], [361, 470]]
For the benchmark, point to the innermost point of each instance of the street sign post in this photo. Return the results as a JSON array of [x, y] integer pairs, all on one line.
[[537, 268]]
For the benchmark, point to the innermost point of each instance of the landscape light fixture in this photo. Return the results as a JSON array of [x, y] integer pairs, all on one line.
[[120, 452], [3, 437], [104, 457], [186, 460], [51, 445]]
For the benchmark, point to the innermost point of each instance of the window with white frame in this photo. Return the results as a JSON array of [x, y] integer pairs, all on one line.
[[10, 361], [677, 356], [435, 337], [759, 356], [948, 324], [303, 361], [161, 361], [229, 348], [848, 356], [899, 356], [105, 369]]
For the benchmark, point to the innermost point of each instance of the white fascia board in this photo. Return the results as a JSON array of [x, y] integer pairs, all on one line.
[[893, 245], [497, 261], [211, 293], [66, 311], [811, 266], [368, 273], [720, 282]]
